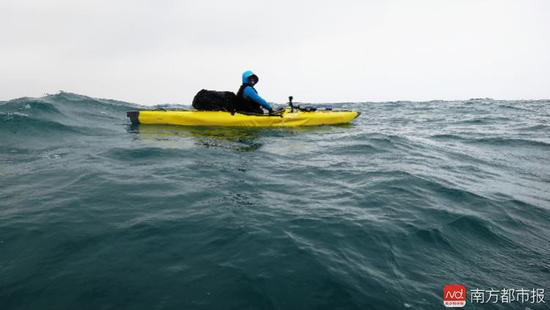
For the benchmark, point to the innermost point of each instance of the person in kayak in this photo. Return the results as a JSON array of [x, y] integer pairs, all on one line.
[[249, 100]]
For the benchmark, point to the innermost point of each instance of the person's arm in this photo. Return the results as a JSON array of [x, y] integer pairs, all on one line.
[[252, 95]]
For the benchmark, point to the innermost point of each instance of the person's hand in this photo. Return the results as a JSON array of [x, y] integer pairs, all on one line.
[[277, 112]]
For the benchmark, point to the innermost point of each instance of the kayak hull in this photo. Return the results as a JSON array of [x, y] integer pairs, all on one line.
[[220, 118]]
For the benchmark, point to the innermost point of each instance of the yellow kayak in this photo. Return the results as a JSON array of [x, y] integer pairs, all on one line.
[[288, 118]]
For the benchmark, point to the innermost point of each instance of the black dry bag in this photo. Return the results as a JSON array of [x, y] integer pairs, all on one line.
[[211, 100]]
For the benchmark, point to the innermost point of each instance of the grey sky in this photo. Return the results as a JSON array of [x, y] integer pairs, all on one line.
[[164, 51]]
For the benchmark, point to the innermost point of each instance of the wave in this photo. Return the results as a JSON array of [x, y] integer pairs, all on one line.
[[447, 137], [483, 120], [509, 142], [62, 114], [540, 127]]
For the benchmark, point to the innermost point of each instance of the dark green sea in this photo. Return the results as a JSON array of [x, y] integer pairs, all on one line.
[[377, 214]]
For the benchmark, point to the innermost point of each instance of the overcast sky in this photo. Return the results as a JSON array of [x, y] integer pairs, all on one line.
[[164, 51]]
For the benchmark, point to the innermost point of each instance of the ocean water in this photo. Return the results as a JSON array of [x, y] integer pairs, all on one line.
[[378, 214]]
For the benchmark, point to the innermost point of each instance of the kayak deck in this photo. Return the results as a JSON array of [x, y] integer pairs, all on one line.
[[220, 118]]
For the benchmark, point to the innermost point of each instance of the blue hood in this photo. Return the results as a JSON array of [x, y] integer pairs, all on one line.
[[246, 75]]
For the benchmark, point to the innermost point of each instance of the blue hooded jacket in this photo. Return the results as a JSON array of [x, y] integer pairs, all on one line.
[[250, 93]]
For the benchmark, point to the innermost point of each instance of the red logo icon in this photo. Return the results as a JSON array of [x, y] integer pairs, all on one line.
[[454, 295]]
